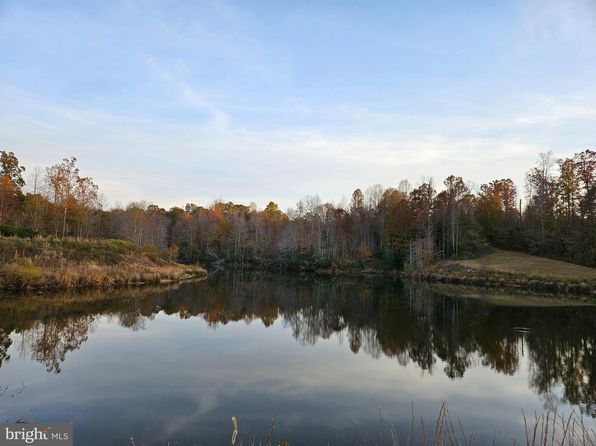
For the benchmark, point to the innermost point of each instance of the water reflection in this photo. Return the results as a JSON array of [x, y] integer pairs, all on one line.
[[380, 318], [5, 343], [173, 364], [48, 342]]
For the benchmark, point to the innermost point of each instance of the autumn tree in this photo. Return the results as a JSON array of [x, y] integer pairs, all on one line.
[[10, 167], [11, 182], [496, 210], [422, 198], [541, 189], [568, 188], [585, 167], [74, 197], [398, 228], [575, 227], [456, 191]]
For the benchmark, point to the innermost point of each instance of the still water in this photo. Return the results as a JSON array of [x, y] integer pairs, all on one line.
[[171, 366]]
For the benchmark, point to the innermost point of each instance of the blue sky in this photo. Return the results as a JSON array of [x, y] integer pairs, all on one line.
[[177, 102]]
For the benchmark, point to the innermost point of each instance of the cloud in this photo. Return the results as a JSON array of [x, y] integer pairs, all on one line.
[[567, 19], [172, 163], [557, 110], [190, 95]]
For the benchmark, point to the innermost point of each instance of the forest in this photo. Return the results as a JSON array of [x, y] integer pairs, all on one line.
[[553, 215]]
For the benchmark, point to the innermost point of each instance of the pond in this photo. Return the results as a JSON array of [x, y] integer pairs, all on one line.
[[324, 357]]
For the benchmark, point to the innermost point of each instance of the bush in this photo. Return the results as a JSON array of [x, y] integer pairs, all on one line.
[[10, 231], [325, 263], [23, 274]]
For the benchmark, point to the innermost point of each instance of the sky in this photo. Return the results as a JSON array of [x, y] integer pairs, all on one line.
[[188, 101]]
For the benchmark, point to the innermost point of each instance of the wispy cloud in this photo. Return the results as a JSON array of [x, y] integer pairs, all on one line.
[[191, 95], [558, 110], [568, 19], [173, 163]]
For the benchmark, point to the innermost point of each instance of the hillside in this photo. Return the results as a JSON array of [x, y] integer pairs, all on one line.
[[47, 263], [515, 270], [509, 262]]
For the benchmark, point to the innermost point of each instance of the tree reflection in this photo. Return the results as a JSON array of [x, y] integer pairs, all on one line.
[[49, 341], [5, 343], [410, 323]]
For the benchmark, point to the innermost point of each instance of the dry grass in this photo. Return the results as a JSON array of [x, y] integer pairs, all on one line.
[[547, 429], [513, 271], [510, 262], [47, 263]]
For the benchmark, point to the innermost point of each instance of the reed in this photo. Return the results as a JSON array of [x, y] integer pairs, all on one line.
[[547, 429]]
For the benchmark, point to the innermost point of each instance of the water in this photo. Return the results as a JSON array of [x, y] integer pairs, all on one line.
[[173, 365]]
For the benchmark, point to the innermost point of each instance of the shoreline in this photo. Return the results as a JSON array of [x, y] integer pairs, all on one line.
[[108, 277], [502, 282], [509, 270], [499, 270], [44, 264]]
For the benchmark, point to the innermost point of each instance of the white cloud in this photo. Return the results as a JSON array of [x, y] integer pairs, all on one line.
[[556, 110], [566, 19], [172, 163]]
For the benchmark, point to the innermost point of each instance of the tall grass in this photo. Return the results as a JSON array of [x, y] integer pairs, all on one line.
[[547, 429], [46, 263]]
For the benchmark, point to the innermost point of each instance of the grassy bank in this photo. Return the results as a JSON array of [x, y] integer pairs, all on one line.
[[48, 263], [507, 269]]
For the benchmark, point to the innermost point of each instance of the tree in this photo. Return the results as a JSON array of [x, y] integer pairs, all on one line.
[[11, 182], [495, 210], [568, 188], [541, 187], [398, 228], [422, 250], [73, 197], [585, 166], [455, 193], [61, 181], [9, 167]]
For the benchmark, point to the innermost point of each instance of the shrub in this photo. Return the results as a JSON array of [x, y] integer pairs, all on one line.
[[10, 231], [23, 274]]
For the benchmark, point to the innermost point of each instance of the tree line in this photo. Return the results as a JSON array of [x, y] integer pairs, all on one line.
[[392, 227]]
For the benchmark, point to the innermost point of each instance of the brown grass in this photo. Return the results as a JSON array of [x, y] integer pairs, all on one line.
[[48, 263], [546, 429], [510, 262], [513, 271]]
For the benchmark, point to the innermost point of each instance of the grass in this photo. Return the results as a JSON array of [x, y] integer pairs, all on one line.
[[547, 429], [510, 262], [513, 270], [48, 263]]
